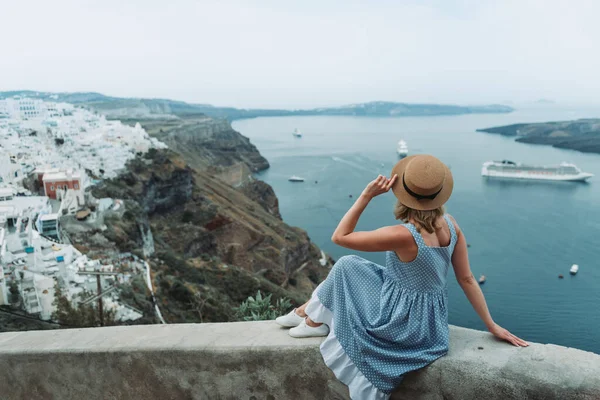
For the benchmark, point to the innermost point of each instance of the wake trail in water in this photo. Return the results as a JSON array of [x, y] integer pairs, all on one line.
[[333, 217], [355, 165]]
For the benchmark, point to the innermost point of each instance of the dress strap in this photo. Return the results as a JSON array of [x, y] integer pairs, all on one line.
[[453, 236], [416, 235]]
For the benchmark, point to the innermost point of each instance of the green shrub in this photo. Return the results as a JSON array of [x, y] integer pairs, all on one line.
[[180, 292], [314, 277], [187, 216], [151, 153], [261, 308], [179, 267]]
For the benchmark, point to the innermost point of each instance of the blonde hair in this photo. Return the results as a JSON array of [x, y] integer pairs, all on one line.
[[422, 219]]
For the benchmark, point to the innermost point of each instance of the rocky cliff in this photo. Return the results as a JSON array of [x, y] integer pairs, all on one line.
[[206, 142], [264, 195], [582, 135], [215, 244]]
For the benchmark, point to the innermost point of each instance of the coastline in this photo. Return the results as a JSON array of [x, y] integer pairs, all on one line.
[[582, 135]]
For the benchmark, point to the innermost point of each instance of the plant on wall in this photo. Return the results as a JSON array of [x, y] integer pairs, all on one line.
[[261, 308]]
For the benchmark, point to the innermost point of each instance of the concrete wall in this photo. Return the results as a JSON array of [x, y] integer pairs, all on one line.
[[258, 360]]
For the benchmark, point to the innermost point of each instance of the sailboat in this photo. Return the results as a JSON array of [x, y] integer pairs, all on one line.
[[297, 133]]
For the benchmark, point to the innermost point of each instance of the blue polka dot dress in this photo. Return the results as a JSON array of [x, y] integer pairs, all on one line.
[[384, 320]]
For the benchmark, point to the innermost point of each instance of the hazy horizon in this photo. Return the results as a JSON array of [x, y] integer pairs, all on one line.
[[272, 54]]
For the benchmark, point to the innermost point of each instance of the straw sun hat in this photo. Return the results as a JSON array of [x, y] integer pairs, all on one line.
[[423, 183]]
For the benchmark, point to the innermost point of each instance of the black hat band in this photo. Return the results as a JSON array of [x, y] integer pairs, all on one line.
[[417, 196]]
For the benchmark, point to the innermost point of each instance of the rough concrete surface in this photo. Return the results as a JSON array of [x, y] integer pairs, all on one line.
[[258, 360]]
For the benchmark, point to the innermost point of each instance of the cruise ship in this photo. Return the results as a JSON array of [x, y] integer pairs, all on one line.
[[512, 170], [402, 149]]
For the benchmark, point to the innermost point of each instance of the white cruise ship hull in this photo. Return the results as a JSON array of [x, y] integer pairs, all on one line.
[[506, 169], [533, 176]]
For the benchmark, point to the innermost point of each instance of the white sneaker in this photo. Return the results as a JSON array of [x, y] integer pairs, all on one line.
[[303, 330], [290, 320]]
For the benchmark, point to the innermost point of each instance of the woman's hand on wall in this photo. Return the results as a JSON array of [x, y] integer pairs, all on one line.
[[378, 186], [503, 334]]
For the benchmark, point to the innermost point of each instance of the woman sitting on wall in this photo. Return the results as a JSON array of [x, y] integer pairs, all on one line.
[[384, 321]]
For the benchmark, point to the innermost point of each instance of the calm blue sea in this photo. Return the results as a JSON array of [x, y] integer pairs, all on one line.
[[522, 234]]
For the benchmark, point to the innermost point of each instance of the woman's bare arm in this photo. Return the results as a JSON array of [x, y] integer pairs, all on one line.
[[382, 239], [466, 280], [348, 222]]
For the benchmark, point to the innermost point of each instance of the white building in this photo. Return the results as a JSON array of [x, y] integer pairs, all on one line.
[[4, 113], [71, 201], [10, 171], [23, 108], [50, 226], [37, 291], [22, 206], [7, 193]]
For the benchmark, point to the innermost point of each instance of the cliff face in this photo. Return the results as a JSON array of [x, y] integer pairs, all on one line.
[[215, 244], [205, 142], [264, 195], [582, 135]]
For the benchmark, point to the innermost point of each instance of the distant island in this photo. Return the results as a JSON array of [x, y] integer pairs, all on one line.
[[582, 134], [117, 107]]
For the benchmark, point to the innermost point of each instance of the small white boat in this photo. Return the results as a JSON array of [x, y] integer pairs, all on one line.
[[297, 133], [574, 269], [295, 178], [482, 279], [402, 149]]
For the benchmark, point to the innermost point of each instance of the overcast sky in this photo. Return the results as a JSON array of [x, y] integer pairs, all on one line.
[[303, 53]]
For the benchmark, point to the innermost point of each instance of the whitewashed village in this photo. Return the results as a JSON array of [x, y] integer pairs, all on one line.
[[63, 150]]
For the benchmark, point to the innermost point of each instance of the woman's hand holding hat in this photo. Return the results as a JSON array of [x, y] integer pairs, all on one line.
[[379, 185]]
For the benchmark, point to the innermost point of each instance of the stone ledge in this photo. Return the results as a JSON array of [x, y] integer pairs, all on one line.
[[258, 360]]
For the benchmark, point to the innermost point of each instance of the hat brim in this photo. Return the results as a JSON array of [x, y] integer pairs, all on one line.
[[423, 204]]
